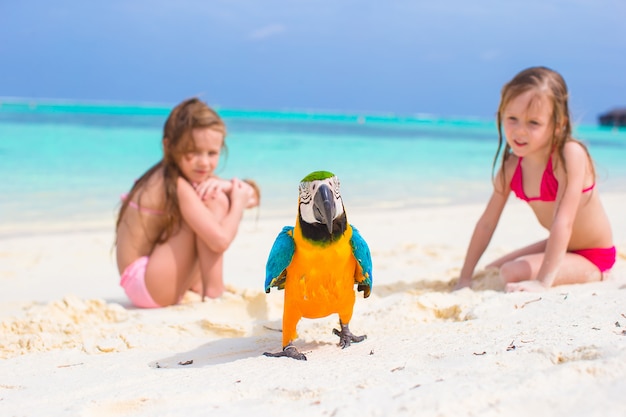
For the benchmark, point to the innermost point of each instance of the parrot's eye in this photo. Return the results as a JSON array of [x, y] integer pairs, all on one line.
[[333, 183], [305, 193], [336, 186]]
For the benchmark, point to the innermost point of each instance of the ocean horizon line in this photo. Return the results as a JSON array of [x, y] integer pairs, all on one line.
[[59, 106], [148, 108]]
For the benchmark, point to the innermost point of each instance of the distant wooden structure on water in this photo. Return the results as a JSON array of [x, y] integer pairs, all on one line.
[[613, 118]]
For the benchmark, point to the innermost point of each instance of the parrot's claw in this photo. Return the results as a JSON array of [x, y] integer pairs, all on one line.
[[289, 351], [346, 337]]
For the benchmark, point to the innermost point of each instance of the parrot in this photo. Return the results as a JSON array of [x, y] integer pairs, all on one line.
[[318, 262]]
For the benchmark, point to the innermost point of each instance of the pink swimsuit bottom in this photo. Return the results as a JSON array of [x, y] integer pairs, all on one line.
[[603, 258], [133, 281]]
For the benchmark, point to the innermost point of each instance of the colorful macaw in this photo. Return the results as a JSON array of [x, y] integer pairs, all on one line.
[[318, 262]]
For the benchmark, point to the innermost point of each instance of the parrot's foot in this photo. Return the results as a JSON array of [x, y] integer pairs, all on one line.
[[346, 337], [289, 351]]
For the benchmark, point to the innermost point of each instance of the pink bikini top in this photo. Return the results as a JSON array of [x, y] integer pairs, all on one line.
[[549, 184], [141, 209]]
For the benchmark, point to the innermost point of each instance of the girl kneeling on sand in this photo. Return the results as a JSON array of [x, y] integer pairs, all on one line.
[[543, 165]]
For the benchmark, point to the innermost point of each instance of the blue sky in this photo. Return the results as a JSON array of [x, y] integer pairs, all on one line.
[[448, 57]]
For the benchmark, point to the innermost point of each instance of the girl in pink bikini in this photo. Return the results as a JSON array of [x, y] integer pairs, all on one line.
[[179, 218], [543, 165]]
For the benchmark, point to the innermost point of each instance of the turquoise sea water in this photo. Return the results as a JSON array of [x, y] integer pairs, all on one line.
[[64, 165]]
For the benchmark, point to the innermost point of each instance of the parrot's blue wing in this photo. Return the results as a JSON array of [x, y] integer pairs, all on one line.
[[279, 259], [361, 252]]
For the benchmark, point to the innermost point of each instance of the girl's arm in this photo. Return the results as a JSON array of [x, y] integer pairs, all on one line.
[[483, 232], [217, 234], [210, 187], [566, 208], [486, 225]]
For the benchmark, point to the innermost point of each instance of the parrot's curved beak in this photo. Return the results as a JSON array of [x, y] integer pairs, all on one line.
[[324, 206]]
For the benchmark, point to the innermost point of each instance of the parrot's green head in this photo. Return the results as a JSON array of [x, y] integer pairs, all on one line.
[[321, 212]]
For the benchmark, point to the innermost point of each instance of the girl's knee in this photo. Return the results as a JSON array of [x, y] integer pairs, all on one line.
[[219, 204]]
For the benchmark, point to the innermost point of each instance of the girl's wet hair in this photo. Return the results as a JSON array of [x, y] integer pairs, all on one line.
[[177, 140], [547, 83]]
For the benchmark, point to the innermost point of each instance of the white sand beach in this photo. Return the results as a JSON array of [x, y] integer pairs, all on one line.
[[71, 345]]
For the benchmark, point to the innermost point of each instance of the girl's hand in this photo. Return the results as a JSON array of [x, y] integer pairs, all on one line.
[[462, 284], [210, 187], [529, 286], [239, 192]]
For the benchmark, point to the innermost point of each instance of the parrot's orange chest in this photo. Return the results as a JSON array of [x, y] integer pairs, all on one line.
[[320, 279]]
